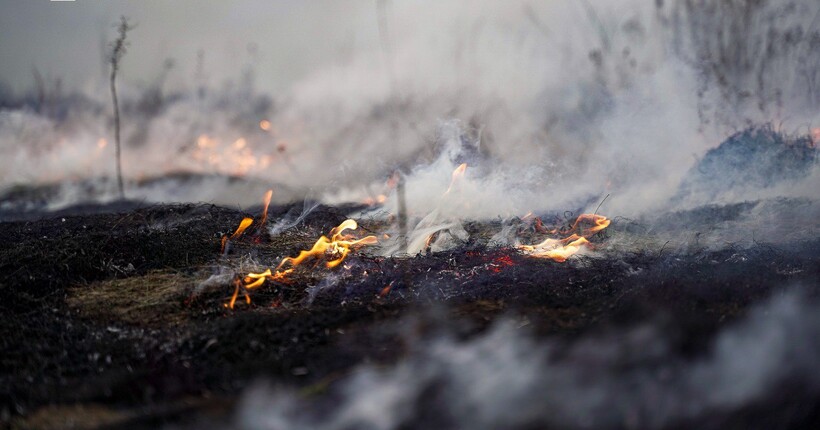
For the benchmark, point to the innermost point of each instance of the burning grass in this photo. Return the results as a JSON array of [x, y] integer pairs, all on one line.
[[75, 321]]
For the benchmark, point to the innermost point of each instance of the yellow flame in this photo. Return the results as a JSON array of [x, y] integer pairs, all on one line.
[[457, 175], [561, 249], [243, 225], [333, 250], [266, 202]]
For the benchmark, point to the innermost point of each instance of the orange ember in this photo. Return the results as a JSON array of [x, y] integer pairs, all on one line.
[[561, 249]]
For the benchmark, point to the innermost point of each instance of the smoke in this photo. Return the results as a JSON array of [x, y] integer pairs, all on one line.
[[552, 105], [505, 378]]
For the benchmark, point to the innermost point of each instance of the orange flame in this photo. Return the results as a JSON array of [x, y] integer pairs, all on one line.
[[457, 175], [337, 246], [333, 250], [266, 202], [243, 225], [561, 249]]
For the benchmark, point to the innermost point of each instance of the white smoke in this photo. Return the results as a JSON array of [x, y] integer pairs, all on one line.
[[506, 379], [564, 101]]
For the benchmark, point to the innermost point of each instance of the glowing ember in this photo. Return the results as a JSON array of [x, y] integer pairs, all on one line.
[[561, 249], [235, 158], [380, 199], [333, 250]]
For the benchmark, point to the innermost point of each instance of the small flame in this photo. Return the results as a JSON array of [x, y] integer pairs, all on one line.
[[266, 202], [333, 250], [264, 125], [457, 175], [380, 199], [337, 246], [561, 249], [243, 225]]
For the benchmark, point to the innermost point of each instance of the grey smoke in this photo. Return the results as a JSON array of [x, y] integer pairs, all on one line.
[[568, 101], [505, 378]]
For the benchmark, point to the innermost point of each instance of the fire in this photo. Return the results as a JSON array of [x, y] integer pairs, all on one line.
[[265, 125], [379, 200], [246, 222], [457, 175], [235, 157], [266, 202], [243, 225], [333, 250], [561, 249]]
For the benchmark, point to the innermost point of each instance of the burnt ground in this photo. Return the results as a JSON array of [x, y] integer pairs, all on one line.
[[102, 325]]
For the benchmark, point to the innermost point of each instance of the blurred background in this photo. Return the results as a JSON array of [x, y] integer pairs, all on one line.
[[552, 104]]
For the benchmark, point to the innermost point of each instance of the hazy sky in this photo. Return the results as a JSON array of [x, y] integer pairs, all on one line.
[[66, 39]]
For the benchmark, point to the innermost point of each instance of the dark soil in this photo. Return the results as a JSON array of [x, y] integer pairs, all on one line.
[[102, 323]]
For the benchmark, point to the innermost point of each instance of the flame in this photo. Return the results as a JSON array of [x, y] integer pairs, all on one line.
[[561, 249], [457, 175], [264, 125], [379, 200], [243, 225], [337, 246], [236, 157], [266, 202], [333, 250]]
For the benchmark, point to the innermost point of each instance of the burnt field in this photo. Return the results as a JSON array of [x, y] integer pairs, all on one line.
[[395, 215], [107, 321]]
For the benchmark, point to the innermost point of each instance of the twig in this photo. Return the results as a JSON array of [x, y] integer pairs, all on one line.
[[599, 205]]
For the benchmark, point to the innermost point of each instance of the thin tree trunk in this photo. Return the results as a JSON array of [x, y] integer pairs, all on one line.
[[117, 132]]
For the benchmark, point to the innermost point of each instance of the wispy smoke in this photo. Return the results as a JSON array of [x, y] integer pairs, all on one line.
[[506, 379], [559, 104]]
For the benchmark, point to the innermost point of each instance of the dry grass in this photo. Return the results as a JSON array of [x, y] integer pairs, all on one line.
[[154, 299]]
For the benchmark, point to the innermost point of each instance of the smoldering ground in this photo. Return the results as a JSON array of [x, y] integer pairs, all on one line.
[[633, 378]]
